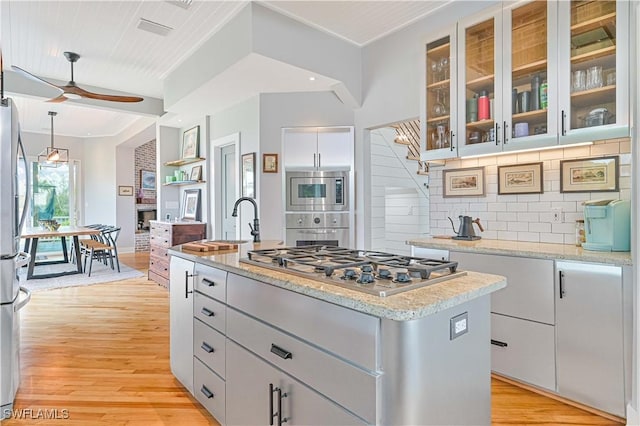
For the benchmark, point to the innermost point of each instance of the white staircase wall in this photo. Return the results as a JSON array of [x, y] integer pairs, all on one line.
[[399, 196]]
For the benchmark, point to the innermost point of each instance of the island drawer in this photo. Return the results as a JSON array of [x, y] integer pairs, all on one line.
[[160, 229], [211, 281], [208, 346], [209, 390], [523, 350], [160, 241], [160, 252], [307, 363], [159, 265], [209, 311], [349, 334]]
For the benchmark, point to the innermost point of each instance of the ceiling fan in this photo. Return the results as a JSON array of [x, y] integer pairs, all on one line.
[[73, 91]]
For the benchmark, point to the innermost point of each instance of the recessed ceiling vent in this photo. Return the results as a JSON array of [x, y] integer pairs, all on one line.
[[154, 27], [185, 4]]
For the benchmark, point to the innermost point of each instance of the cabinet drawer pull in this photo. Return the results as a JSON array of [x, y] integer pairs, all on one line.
[[209, 283], [281, 352], [205, 347], [207, 312], [206, 392], [498, 343]]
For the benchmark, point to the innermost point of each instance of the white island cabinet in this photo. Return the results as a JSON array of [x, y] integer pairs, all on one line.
[[181, 320], [273, 348]]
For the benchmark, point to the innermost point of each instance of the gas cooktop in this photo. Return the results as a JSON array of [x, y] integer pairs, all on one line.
[[372, 272]]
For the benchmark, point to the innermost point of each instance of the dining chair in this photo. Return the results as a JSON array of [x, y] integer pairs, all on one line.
[[103, 247]]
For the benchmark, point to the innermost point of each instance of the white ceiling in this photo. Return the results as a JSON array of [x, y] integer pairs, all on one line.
[[115, 55]]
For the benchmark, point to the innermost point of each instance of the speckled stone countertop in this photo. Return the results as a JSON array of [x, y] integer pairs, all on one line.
[[405, 306], [524, 249]]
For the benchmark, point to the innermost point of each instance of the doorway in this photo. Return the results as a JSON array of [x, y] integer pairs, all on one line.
[[225, 178]]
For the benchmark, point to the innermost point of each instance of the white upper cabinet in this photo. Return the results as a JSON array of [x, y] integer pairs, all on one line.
[[527, 75], [438, 112], [594, 70], [318, 147]]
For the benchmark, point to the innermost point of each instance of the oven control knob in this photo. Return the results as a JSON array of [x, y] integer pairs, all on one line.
[[300, 221], [335, 221], [316, 220]]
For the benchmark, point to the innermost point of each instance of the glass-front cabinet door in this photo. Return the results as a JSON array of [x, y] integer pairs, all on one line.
[[530, 94], [480, 84], [439, 103], [593, 63]]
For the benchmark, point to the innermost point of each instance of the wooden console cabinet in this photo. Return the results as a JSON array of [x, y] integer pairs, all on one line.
[[165, 235]]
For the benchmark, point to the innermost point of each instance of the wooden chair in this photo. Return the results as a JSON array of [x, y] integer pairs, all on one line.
[[103, 247]]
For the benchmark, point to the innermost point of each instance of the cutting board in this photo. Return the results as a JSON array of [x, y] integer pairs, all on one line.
[[203, 246]]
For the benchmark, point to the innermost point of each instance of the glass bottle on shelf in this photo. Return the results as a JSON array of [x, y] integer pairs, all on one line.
[[593, 55], [438, 76]]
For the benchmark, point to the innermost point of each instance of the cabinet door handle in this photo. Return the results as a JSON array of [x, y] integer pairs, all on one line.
[[498, 343], [280, 396], [207, 312], [496, 134], [561, 284], [314, 159], [205, 347], [186, 284], [451, 143], [564, 130], [206, 392], [319, 160], [209, 283], [505, 129], [281, 352], [271, 415]]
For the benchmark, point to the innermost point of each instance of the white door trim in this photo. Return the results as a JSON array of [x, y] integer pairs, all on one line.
[[215, 176]]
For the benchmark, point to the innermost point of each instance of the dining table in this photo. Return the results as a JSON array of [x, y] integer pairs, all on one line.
[[31, 237]]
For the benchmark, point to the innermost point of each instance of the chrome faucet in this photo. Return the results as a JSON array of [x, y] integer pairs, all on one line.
[[255, 229]]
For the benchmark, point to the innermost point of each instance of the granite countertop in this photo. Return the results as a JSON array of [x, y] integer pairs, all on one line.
[[405, 306], [525, 249]]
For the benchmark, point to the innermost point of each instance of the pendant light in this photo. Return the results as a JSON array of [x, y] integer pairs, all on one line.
[[52, 156]]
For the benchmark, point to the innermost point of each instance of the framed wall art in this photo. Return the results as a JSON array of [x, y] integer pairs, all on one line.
[[520, 179], [190, 205], [589, 175], [191, 143], [125, 190], [463, 182], [269, 163], [147, 179], [249, 175], [196, 173]]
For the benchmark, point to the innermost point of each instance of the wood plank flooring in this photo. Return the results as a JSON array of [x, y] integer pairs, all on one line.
[[101, 352]]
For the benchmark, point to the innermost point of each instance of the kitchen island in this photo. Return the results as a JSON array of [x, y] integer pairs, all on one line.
[[306, 352]]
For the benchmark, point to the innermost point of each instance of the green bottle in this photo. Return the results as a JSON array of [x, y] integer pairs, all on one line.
[[544, 101]]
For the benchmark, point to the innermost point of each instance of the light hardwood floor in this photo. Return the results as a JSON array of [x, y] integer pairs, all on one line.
[[102, 353]]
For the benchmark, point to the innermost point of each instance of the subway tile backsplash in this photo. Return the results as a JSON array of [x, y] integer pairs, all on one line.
[[527, 217]]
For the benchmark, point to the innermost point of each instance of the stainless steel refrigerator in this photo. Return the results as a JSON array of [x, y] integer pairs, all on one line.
[[12, 216]]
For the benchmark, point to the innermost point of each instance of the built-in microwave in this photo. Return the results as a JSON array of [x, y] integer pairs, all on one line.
[[317, 190]]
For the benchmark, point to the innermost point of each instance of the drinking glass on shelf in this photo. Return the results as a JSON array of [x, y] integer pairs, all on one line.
[[594, 77], [444, 67], [579, 81], [435, 71], [439, 107]]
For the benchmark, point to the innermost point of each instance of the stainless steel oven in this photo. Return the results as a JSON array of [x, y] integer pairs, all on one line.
[[317, 190], [329, 229]]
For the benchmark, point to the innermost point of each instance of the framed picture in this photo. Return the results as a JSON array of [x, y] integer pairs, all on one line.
[[463, 182], [191, 205], [125, 190], [147, 179], [249, 175], [269, 163], [196, 173], [589, 175], [191, 143], [520, 179]]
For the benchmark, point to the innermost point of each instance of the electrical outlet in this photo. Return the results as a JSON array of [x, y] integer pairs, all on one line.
[[557, 217]]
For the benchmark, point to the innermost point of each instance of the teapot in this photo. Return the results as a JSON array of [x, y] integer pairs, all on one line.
[[465, 231]]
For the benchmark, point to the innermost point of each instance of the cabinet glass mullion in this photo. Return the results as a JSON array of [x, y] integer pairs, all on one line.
[[479, 82], [593, 64], [529, 71]]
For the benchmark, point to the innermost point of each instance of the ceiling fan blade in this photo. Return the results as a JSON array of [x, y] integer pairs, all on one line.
[[30, 76], [79, 91], [59, 99]]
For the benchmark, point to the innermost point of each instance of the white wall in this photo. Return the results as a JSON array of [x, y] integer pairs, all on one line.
[[125, 205], [278, 110], [527, 217], [399, 198]]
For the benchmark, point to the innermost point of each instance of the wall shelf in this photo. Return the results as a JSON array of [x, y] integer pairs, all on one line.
[[183, 182], [183, 161]]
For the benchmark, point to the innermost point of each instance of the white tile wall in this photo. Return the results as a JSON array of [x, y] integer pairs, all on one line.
[[526, 217], [399, 200]]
